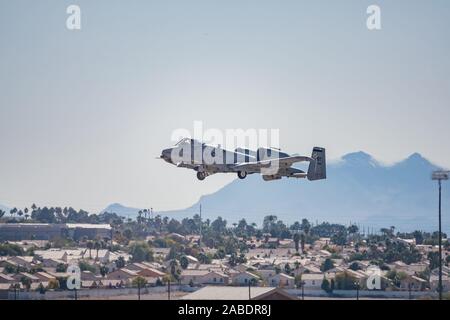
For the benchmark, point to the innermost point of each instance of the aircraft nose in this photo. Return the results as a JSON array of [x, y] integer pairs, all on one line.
[[166, 155]]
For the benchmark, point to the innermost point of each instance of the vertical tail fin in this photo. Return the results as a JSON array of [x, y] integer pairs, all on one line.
[[318, 168]]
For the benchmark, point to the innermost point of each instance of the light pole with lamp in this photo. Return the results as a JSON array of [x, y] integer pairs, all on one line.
[[439, 176]]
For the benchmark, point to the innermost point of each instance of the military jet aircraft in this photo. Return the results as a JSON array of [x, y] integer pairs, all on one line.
[[271, 163]]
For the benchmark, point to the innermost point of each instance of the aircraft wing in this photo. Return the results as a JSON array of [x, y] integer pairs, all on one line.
[[281, 162]]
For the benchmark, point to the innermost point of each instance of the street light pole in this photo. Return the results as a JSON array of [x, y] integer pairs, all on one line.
[[168, 289], [302, 283], [357, 291], [139, 290], [439, 176], [440, 240]]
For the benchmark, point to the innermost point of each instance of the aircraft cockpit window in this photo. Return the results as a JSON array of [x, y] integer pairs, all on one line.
[[183, 141]]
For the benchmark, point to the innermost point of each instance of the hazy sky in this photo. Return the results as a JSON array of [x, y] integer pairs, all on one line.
[[84, 113]]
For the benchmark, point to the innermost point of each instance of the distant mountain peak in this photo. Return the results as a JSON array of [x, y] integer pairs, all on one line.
[[416, 159], [121, 210], [116, 205], [360, 158]]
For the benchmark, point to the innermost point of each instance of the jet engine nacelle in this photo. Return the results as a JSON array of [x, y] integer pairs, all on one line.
[[270, 153], [272, 177], [246, 151]]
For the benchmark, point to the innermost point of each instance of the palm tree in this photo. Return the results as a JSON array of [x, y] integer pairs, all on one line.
[[139, 282], [89, 245], [302, 242], [97, 246], [296, 241], [173, 267], [145, 214], [12, 211], [139, 217]]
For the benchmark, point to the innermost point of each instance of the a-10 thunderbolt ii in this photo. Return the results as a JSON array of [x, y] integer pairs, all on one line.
[[271, 163]]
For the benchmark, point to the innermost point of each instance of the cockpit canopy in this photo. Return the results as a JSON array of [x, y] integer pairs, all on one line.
[[189, 141]]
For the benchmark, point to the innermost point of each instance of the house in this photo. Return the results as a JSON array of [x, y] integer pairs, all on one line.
[[145, 271], [287, 243], [26, 262], [434, 282], [136, 266], [210, 267], [192, 276], [333, 272], [413, 283], [214, 277], [48, 231], [29, 276], [312, 280], [4, 278], [51, 254], [244, 278], [88, 276], [202, 277], [9, 286], [161, 253], [102, 255], [281, 280], [266, 274], [44, 276], [52, 263], [445, 271], [107, 283], [359, 275], [122, 274], [243, 267], [311, 268], [150, 273], [239, 293], [88, 284]]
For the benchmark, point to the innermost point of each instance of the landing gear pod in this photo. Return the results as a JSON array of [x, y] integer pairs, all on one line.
[[242, 174], [201, 176]]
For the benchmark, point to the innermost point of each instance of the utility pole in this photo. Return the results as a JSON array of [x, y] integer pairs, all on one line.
[[409, 291], [249, 290], [139, 289], [302, 286], [439, 176], [357, 290], [201, 227], [168, 289]]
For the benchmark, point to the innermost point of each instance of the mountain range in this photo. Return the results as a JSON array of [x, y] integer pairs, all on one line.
[[358, 189]]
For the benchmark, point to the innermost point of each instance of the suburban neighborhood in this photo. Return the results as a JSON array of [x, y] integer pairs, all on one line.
[[161, 258]]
